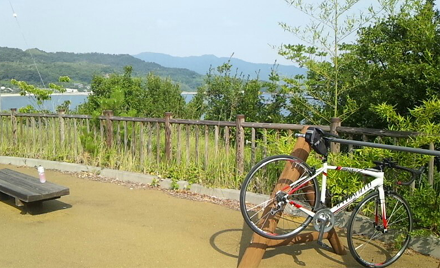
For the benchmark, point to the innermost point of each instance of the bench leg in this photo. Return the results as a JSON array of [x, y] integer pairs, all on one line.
[[4, 196], [18, 202]]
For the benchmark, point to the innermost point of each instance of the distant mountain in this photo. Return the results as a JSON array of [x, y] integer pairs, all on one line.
[[201, 64], [18, 64]]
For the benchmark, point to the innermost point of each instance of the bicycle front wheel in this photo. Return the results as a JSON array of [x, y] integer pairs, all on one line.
[[369, 243], [272, 194]]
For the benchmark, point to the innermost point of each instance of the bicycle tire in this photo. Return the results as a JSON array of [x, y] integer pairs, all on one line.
[[368, 243], [258, 197]]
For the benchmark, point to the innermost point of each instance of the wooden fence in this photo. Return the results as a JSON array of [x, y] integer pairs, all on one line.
[[158, 141]]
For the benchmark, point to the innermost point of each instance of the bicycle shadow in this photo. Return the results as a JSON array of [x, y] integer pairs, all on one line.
[[234, 242]]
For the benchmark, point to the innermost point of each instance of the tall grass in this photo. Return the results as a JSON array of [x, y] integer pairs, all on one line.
[[198, 155]]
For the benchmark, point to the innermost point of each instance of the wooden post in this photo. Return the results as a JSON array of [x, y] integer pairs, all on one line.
[[168, 116], [109, 127], [253, 146], [335, 123], [255, 251], [1, 129], [141, 146], [239, 144], [187, 144], [179, 143], [14, 126], [216, 135], [62, 127], [125, 136], [196, 144], [157, 143], [133, 139], [34, 136], [205, 163], [227, 141]]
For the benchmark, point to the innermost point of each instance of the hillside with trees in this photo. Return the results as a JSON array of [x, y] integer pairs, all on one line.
[[81, 67]]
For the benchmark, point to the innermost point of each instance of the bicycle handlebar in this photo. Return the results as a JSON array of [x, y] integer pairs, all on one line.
[[388, 163]]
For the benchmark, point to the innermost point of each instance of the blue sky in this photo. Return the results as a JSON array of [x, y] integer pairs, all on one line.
[[247, 28]]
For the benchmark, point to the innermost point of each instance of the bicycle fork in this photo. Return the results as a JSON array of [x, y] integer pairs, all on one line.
[[381, 213]]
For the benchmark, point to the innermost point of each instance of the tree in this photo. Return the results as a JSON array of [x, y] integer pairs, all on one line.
[[395, 61], [323, 93], [425, 198], [39, 95], [109, 93], [130, 96], [224, 95], [163, 96], [222, 91]]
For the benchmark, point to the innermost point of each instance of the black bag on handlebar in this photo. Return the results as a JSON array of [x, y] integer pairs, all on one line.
[[315, 137]]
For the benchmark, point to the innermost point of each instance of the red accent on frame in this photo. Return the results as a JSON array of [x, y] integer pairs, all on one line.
[[385, 221], [296, 189], [295, 204], [285, 188]]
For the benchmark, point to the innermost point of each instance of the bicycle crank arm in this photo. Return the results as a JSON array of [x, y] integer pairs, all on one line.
[[322, 230]]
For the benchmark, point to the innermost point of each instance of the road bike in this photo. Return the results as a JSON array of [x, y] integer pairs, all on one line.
[[280, 197]]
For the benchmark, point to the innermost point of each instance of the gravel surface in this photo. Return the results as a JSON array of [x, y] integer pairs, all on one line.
[[184, 194]]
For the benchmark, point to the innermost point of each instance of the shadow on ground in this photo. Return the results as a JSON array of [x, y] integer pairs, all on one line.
[[108, 225], [36, 208]]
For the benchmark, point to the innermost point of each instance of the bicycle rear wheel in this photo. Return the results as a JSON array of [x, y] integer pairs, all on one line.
[[368, 242], [272, 193]]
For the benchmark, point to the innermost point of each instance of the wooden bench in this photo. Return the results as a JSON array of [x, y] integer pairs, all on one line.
[[26, 189]]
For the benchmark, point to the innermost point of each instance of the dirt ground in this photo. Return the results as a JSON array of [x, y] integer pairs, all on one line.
[[109, 225]]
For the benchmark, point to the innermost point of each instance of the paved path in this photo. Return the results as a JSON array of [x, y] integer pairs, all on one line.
[[107, 225]]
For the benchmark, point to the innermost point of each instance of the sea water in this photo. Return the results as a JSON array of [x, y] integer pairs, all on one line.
[[9, 101]]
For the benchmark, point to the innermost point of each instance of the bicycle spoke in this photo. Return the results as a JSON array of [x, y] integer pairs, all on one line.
[[370, 243], [393, 211], [266, 194], [260, 205]]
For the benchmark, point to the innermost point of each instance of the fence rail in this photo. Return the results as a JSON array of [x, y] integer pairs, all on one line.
[[149, 143]]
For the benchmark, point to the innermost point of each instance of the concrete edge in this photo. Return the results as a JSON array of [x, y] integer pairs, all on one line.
[[425, 245]]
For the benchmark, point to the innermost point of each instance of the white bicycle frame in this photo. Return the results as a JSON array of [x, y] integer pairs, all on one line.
[[377, 183]]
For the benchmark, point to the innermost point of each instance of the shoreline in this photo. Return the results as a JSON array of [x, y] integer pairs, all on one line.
[[2, 95], [73, 94]]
